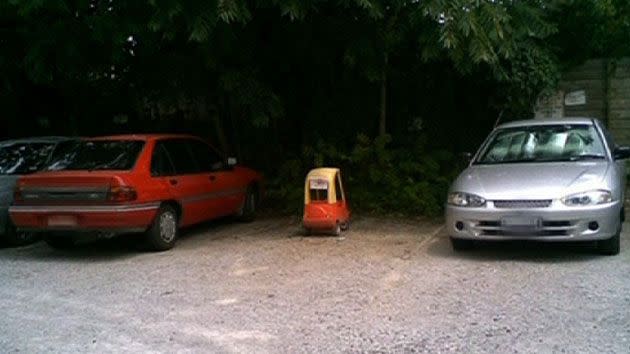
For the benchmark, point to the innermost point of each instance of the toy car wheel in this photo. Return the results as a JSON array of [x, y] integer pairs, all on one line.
[[307, 231], [345, 226], [13, 237], [163, 233], [337, 229]]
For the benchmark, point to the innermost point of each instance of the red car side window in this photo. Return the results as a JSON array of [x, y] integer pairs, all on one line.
[[161, 164], [207, 159], [181, 156]]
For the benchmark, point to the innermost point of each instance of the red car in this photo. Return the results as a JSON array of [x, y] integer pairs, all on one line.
[[134, 183]]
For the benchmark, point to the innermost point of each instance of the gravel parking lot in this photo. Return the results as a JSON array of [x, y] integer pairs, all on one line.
[[387, 286]]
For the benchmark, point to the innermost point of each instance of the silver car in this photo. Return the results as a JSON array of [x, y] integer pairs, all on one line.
[[18, 158], [547, 180]]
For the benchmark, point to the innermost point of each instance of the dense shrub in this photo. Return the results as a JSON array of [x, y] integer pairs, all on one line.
[[378, 177]]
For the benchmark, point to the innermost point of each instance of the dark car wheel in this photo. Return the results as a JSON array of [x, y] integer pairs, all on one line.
[[461, 244], [248, 211], [163, 233], [609, 247], [60, 242], [14, 238]]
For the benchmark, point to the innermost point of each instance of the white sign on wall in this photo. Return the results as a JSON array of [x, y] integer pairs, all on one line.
[[575, 98]]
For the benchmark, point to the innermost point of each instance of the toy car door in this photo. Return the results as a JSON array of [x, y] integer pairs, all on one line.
[[341, 205]]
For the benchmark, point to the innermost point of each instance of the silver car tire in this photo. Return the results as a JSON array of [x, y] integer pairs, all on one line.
[[611, 246]]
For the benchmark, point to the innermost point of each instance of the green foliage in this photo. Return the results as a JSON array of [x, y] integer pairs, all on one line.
[[378, 177], [268, 78], [591, 29], [251, 97]]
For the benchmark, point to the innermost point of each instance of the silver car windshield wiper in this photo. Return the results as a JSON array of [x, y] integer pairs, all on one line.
[[587, 157]]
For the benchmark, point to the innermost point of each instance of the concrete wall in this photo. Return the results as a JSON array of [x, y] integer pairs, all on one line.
[[619, 101], [600, 89]]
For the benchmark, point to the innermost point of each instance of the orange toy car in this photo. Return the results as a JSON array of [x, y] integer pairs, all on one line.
[[325, 204]]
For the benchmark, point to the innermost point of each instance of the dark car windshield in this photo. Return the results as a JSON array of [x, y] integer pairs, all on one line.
[[97, 155], [24, 158], [543, 143]]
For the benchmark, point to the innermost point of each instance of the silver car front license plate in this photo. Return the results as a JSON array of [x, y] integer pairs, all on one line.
[[520, 222]]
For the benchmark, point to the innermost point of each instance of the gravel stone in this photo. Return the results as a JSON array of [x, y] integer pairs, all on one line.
[[390, 286]]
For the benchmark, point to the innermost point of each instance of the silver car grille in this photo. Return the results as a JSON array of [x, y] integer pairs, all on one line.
[[522, 204], [545, 228]]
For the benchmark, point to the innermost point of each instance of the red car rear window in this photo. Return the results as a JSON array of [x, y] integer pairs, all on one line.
[[98, 155]]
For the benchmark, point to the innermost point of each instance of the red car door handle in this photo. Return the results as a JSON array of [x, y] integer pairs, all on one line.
[[173, 182], [212, 178]]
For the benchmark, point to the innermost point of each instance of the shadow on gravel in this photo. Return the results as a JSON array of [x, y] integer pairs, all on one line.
[[130, 245], [114, 249], [230, 228], [5, 246], [213, 229], [527, 251]]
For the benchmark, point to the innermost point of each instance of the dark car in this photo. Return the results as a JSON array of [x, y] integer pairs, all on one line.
[[18, 158]]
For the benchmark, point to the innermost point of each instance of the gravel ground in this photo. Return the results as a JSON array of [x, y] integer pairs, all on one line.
[[387, 286]]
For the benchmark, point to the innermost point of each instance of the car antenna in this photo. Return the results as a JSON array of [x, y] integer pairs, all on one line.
[[496, 123]]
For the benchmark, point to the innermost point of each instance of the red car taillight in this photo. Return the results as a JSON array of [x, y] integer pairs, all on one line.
[[121, 194]]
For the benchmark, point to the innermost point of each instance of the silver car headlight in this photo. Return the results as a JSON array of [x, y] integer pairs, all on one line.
[[465, 200], [588, 198]]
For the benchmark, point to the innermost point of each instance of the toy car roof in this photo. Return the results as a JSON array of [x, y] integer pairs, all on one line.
[[323, 172]]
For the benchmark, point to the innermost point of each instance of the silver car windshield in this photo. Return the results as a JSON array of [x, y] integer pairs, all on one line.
[[543, 143]]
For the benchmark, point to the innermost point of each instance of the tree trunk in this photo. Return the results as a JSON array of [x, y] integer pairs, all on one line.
[[215, 117], [382, 126]]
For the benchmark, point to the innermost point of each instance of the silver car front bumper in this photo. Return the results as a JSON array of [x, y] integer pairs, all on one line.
[[554, 223]]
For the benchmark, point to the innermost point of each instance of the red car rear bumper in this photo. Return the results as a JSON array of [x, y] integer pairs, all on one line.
[[111, 218]]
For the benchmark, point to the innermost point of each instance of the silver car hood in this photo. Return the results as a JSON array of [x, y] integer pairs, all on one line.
[[549, 180]]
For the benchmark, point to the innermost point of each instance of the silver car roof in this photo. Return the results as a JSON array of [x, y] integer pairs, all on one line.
[[554, 121], [39, 139]]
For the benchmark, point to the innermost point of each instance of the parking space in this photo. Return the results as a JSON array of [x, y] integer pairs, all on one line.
[[387, 285]]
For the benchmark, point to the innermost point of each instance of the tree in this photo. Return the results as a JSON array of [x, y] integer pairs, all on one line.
[[282, 72]]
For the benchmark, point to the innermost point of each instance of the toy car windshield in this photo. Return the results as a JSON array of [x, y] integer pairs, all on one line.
[[318, 189]]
